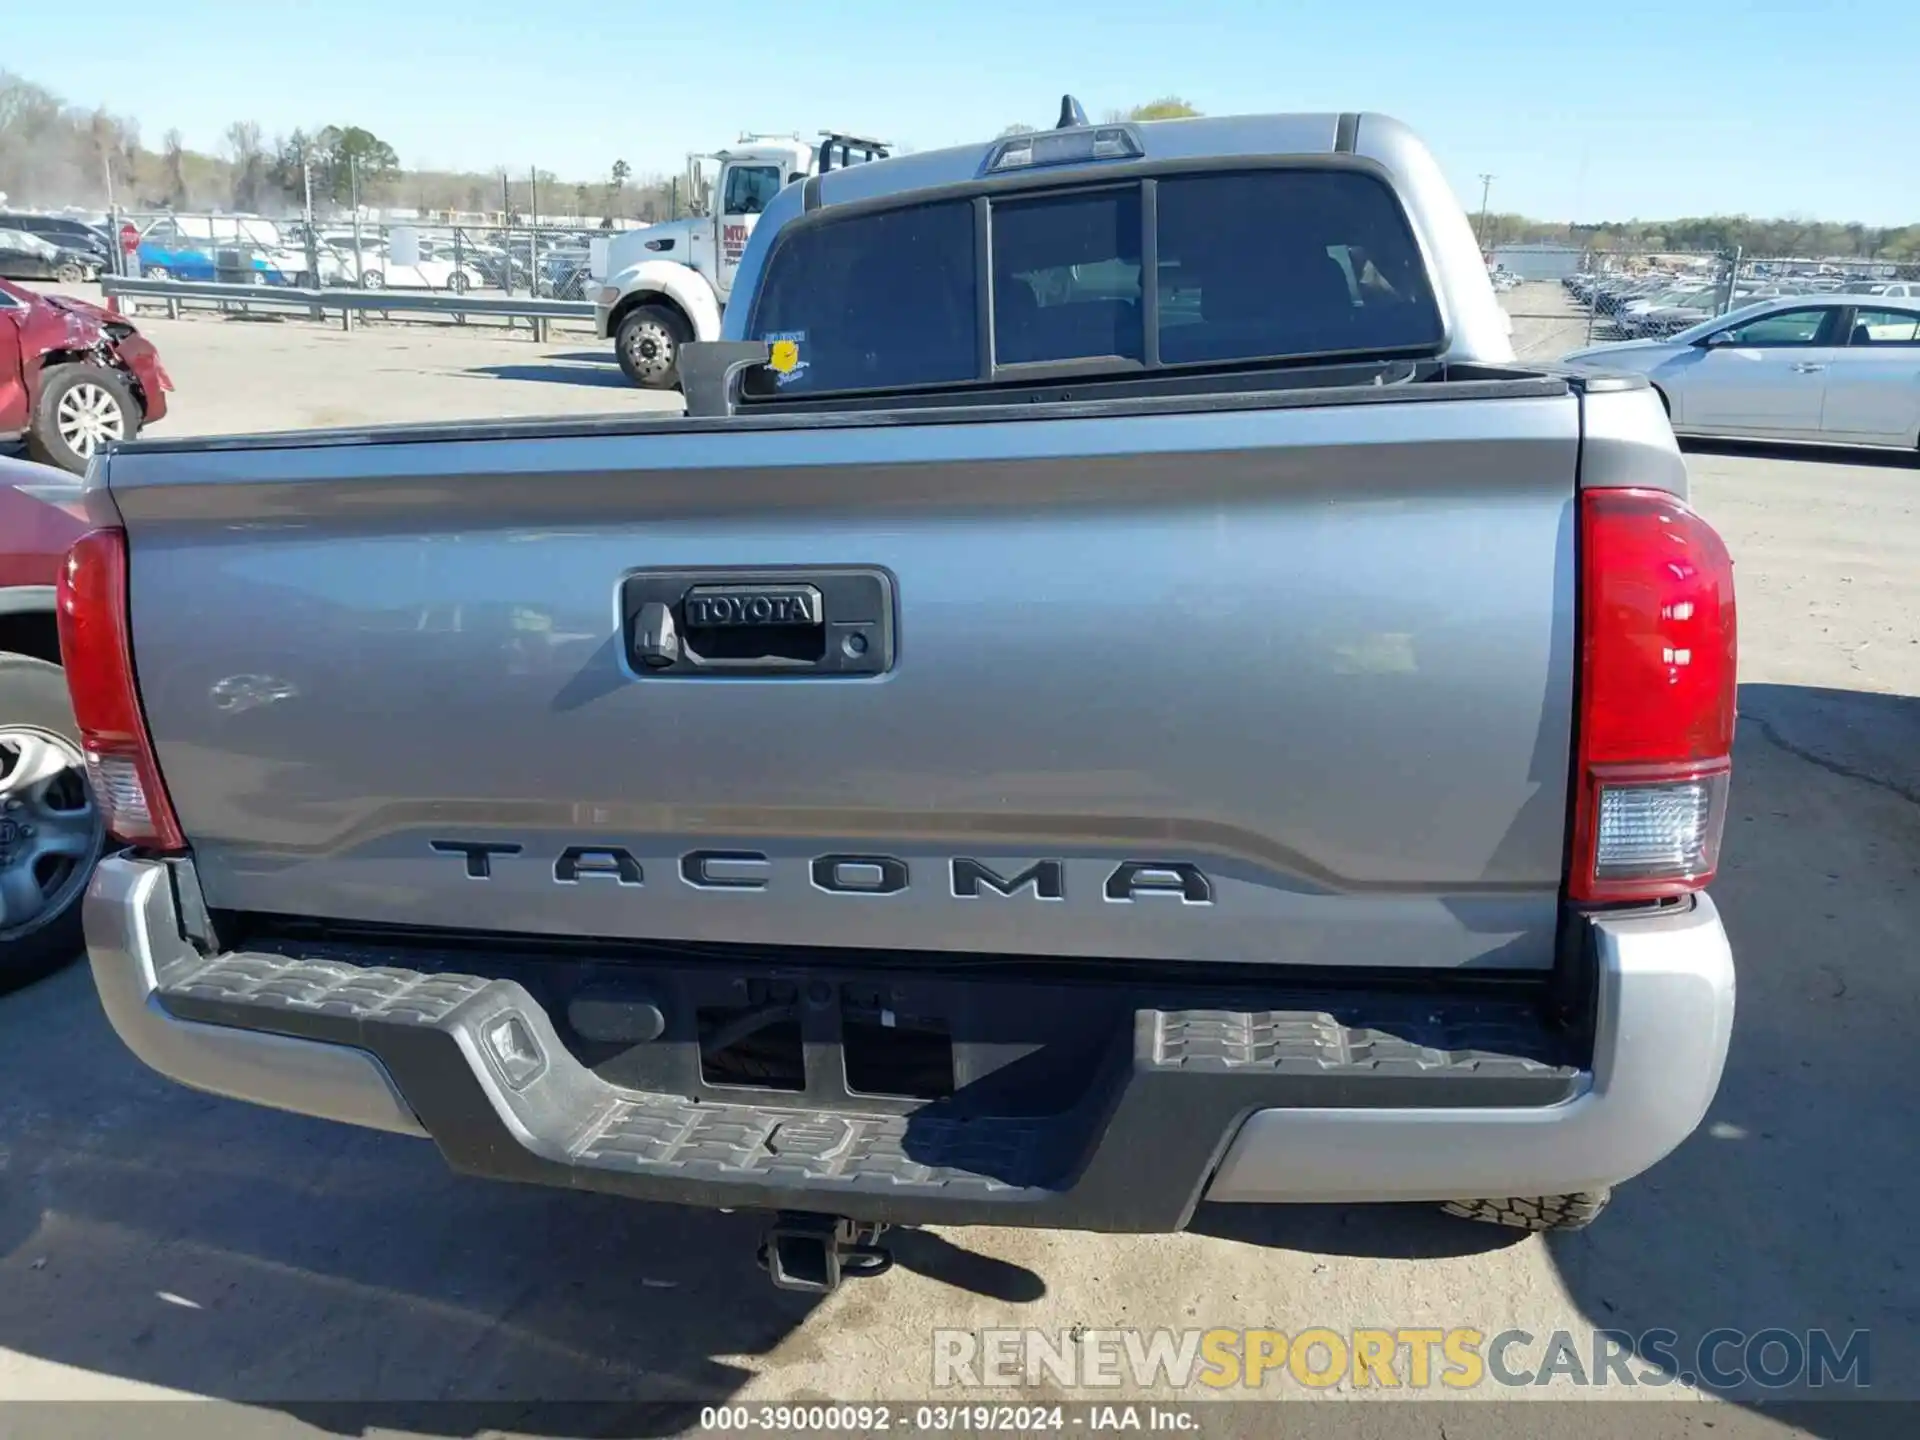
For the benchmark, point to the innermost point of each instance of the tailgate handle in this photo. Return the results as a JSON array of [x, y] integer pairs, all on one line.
[[684, 624], [753, 627]]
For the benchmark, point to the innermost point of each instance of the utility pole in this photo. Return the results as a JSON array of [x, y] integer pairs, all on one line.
[[306, 216], [353, 195], [533, 231], [1480, 230], [506, 220], [113, 213]]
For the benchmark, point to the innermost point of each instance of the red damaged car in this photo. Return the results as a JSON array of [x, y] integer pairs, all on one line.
[[73, 377], [50, 829]]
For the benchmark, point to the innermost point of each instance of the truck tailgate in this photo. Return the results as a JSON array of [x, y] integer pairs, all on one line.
[[1283, 684]]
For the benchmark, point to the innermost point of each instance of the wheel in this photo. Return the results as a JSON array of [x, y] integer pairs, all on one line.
[[70, 274], [1535, 1212], [648, 346], [80, 409], [155, 272], [50, 829], [457, 283], [372, 280]]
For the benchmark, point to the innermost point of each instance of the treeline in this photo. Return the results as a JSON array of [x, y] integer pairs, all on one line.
[[1719, 233], [53, 154]]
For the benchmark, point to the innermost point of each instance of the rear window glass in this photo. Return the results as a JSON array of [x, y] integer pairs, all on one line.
[[1287, 263], [1251, 265], [873, 302], [1066, 277]]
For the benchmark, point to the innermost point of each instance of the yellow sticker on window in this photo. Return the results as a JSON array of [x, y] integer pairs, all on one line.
[[785, 356]]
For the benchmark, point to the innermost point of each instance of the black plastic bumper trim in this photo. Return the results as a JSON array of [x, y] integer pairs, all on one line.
[[479, 1061]]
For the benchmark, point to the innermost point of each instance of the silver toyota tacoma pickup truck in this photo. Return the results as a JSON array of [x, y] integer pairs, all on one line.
[[1120, 693]]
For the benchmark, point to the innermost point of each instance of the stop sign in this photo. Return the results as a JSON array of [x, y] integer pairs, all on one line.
[[129, 238]]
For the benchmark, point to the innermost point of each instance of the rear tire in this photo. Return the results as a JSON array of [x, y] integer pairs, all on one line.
[[1535, 1212], [34, 705], [647, 343]]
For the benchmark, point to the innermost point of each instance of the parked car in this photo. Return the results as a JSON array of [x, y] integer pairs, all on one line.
[[1836, 369], [250, 255], [378, 270], [499, 268], [563, 274], [50, 829], [73, 377], [29, 257], [65, 232], [870, 854]]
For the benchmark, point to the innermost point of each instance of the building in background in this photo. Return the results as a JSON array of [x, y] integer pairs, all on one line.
[[1539, 260]]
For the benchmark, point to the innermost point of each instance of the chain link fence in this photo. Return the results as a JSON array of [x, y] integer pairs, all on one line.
[[1563, 299], [548, 261]]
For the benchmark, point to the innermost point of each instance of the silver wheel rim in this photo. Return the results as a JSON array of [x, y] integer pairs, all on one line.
[[49, 828], [87, 417], [650, 348]]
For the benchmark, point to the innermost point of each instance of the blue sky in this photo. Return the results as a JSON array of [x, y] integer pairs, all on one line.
[[1580, 111]]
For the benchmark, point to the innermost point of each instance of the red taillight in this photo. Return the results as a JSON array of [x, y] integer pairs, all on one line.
[[1655, 730], [99, 663]]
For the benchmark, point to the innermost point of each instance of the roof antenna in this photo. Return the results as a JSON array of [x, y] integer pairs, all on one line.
[[1072, 115]]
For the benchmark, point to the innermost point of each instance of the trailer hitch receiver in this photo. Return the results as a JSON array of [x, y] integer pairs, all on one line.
[[813, 1253]]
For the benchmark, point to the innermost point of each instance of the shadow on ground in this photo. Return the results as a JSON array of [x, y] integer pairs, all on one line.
[[608, 377], [1384, 1232], [1791, 1207], [157, 1235]]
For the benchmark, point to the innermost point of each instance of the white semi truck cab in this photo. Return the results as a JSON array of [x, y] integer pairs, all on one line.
[[667, 285]]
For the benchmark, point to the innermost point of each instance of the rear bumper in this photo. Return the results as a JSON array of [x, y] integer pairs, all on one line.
[[1205, 1103]]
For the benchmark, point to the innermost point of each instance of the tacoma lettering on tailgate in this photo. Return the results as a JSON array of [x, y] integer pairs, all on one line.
[[844, 873]]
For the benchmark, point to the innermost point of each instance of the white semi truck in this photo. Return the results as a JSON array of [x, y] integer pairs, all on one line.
[[667, 285]]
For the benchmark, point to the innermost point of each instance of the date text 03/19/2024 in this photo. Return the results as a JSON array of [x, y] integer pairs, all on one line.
[[870, 1419]]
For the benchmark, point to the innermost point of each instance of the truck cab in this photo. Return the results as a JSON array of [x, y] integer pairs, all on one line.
[[668, 285]]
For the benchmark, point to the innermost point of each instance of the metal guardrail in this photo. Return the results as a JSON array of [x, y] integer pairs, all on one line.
[[348, 302]]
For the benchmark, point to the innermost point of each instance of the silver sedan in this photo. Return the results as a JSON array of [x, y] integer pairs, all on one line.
[[1832, 369]]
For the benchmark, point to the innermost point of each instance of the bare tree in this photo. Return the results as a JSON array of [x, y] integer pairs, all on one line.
[[174, 149], [249, 157], [616, 191]]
